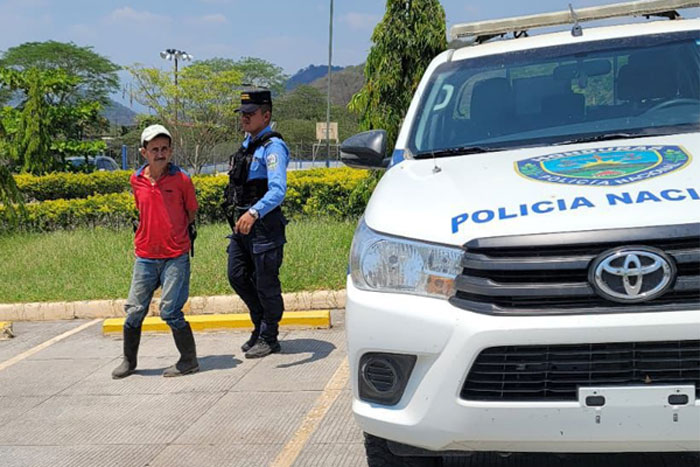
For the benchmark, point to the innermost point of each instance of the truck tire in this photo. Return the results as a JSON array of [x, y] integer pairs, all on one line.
[[379, 455]]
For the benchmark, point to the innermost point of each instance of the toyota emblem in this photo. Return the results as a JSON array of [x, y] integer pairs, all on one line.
[[632, 274]]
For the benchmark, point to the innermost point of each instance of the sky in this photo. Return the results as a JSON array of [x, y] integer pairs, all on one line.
[[289, 33]]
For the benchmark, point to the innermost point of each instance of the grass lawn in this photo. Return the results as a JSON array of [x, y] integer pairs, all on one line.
[[96, 264]]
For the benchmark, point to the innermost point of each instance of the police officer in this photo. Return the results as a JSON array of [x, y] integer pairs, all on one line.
[[256, 189]]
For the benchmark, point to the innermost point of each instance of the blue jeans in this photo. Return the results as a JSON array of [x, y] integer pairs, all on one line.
[[174, 275]]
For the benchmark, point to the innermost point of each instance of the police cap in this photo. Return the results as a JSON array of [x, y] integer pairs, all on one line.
[[252, 100]]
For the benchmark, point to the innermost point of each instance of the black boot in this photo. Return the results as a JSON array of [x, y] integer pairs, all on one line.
[[184, 340], [250, 342], [263, 348], [132, 338]]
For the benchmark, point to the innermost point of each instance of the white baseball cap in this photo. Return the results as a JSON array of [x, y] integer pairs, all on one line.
[[151, 132]]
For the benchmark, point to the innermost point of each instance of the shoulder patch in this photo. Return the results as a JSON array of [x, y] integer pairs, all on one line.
[[272, 160]]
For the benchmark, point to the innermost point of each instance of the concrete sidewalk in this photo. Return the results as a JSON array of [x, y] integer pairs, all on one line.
[[60, 407]]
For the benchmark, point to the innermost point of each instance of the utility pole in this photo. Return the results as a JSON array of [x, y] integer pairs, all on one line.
[[328, 96]]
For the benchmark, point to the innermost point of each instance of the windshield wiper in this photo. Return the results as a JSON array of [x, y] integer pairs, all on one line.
[[459, 151], [603, 137]]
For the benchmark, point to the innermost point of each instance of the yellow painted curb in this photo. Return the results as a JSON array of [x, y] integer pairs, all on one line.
[[296, 319]]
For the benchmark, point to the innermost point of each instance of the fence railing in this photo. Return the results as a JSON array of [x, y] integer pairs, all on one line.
[[301, 157]]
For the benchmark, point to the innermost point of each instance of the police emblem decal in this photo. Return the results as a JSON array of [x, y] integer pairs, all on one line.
[[606, 166], [632, 274], [271, 160]]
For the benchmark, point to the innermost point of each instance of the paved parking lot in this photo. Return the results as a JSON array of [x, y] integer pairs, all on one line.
[[60, 407]]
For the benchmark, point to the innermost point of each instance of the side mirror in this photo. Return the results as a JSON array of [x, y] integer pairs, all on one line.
[[365, 150]]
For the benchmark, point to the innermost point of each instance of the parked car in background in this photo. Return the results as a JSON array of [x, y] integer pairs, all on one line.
[[95, 163]]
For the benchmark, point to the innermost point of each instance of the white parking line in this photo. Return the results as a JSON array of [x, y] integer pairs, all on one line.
[[313, 419], [43, 345]]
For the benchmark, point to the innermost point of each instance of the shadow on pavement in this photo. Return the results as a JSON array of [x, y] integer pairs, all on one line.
[[150, 371], [318, 350], [207, 363], [218, 362]]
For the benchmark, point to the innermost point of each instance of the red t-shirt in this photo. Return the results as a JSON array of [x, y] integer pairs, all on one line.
[[163, 207]]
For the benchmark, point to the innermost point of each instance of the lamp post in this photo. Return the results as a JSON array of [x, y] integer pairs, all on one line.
[[328, 96], [174, 54]]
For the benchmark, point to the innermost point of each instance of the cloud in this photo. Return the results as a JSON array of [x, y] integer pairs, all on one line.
[[83, 33], [289, 52], [19, 26], [129, 14], [209, 19], [217, 18], [28, 4], [472, 10], [360, 20]]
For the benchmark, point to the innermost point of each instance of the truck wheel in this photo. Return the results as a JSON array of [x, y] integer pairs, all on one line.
[[379, 455], [681, 459]]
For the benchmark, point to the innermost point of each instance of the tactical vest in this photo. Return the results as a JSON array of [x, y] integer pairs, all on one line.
[[241, 192]]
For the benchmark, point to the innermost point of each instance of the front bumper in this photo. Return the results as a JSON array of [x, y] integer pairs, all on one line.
[[446, 341]]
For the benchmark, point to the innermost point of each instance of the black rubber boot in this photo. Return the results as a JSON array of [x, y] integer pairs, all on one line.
[[184, 340], [132, 338]]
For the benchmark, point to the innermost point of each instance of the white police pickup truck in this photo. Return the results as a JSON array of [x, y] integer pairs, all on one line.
[[526, 276]]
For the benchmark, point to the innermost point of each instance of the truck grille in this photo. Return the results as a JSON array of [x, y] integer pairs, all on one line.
[[555, 372], [548, 273]]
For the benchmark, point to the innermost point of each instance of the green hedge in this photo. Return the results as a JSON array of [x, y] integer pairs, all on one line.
[[112, 210], [66, 185], [338, 193]]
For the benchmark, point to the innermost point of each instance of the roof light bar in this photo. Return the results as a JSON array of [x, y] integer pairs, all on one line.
[[523, 23]]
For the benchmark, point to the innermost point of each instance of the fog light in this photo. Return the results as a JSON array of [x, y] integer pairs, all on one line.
[[383, 376]]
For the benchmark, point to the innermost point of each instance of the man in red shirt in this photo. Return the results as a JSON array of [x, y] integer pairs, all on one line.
[[167, 204]]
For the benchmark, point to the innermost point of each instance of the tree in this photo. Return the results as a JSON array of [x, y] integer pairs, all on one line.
[[34, 137], [344, 84], [297, 112], [97, 74], [261, 73], [76, 107], [204, 99], [304, 103], [411, 33], [33, 140], [9, 193], [254, 72]]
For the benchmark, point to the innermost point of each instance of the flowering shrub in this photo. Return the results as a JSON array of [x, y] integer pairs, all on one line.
[[66, 201]]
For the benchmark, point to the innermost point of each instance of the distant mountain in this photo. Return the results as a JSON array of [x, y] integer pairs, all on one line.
[[309, 74], [344, 84], [118, 114]]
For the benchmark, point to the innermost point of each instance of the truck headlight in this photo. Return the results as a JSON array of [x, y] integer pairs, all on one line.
[[383, 263]]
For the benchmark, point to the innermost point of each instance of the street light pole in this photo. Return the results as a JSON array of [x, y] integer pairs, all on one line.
[[328, 96], [176, 96], [175, 55]]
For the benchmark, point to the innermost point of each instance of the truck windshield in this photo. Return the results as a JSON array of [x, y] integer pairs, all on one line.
[[593, 91]]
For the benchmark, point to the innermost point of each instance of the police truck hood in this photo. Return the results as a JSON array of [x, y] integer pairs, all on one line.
[[592, 186]]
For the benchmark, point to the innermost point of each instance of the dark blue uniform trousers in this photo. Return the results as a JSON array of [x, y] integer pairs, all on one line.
[[253, 272]]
